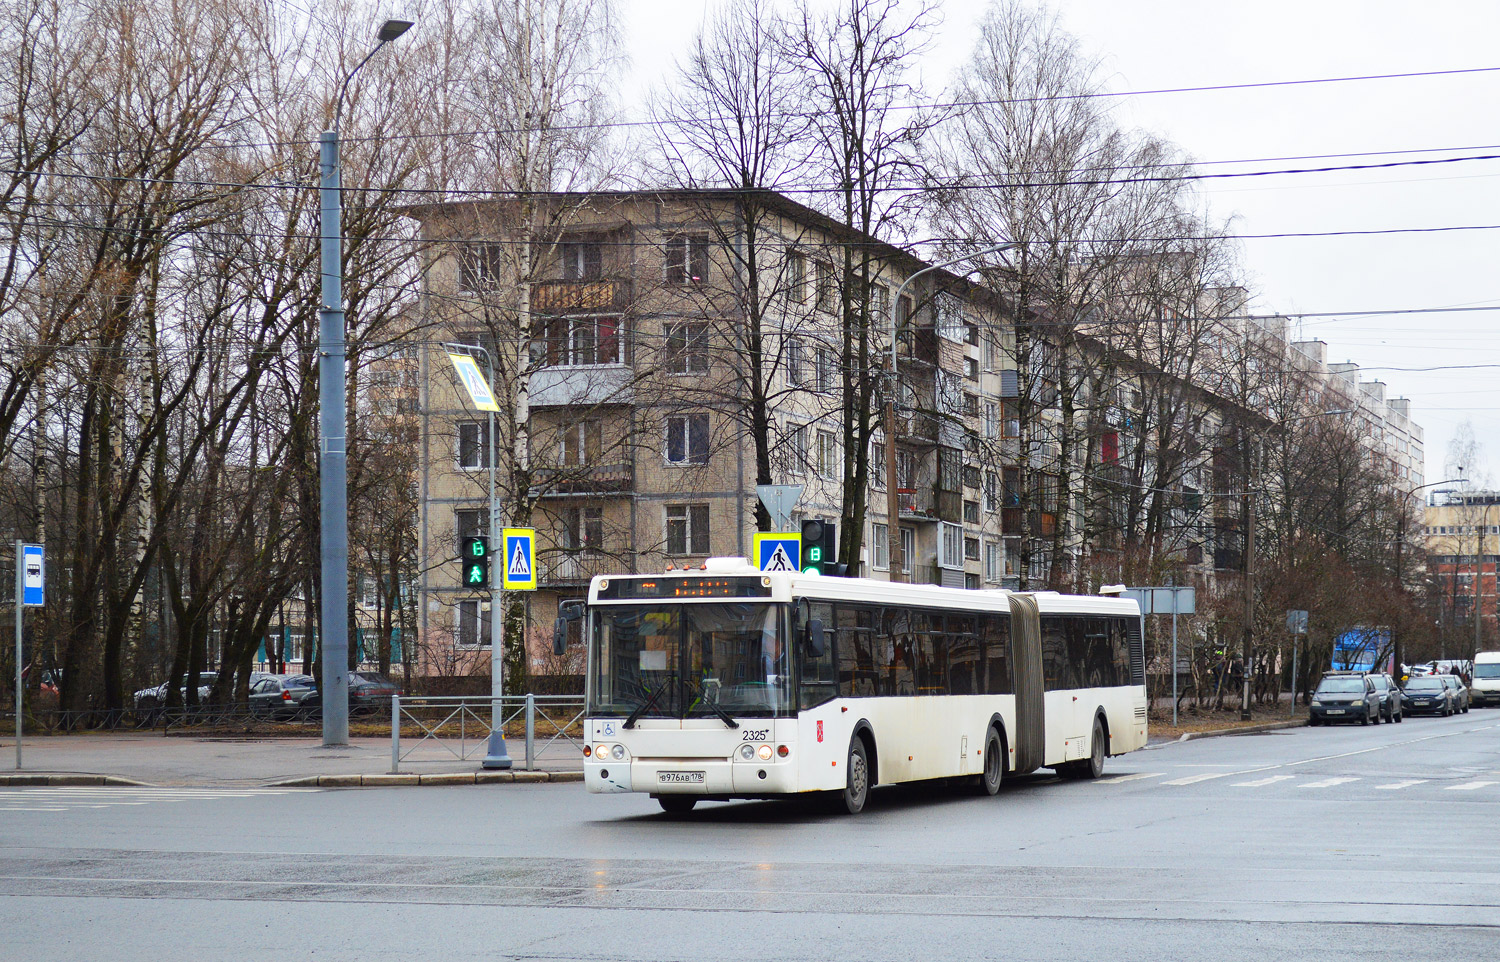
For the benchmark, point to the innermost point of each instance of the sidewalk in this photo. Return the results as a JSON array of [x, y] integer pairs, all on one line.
[[155, 759]]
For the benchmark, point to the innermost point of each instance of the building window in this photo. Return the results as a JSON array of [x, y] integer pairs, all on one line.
[[906, 469], [1009, 423], [687, 439], [880, 303], [478, 267], [971, 477], [795, 361], [579, 444], [880, 547], [797, 268], [952, 321], [687, 529], [823, 292], [950, 469], [991, 420], [796, 457], [991, 491], [993, 570], [971, 368], [971, 405], [583, 340], [687, 259], [877, 460], [473, 444], [469, 523], [471, 624], [950, 545], [828, 465], [1012, 557], [971, 512], [583, 528], [687, 348], [908, 550], [971, 549], [581, 260], [971, 336], [825, 370]]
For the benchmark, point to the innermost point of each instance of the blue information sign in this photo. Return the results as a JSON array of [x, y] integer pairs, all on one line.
[[34, 576]]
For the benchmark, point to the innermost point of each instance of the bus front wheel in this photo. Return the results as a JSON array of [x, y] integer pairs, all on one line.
[[994, 765], [856, 778], [676, 804]]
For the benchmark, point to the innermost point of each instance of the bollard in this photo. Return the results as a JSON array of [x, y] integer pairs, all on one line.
[[530, 732], [395, 734]]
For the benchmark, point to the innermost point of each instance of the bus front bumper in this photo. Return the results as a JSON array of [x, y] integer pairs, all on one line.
[[691, 776]]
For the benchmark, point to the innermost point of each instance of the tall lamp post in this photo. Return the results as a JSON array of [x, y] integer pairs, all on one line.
[[333, 468], [1247, 646], [893, 499], [1396, 653]]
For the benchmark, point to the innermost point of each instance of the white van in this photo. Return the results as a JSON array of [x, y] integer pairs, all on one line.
[[1486, 687]]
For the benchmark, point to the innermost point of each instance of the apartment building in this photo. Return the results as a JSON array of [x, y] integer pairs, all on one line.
[[1461, 530]]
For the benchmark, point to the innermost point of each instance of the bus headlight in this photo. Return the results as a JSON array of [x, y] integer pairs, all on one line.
[[747, 752], [764, 752], [601, 752], [617, 753]]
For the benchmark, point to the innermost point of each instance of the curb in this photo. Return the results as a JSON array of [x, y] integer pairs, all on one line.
[[1247, 730], [70, 780], [412, 780]]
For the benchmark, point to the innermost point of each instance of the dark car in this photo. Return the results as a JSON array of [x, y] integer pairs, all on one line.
[[368, 692], [281, 696], [1427, 695], [1344, 697], [1390, 695], [1460, 692]]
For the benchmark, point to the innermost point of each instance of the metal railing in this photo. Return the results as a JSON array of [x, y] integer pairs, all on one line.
[[555, 719]]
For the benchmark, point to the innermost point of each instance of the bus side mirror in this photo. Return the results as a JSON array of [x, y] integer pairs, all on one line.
[[815, 637], [566, 612]]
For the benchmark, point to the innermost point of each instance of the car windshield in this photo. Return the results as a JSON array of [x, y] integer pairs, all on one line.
[[1340, 685], [1487, 670], [690, 660], [1425, 683]]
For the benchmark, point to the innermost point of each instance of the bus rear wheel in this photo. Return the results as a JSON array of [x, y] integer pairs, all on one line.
[[676, 804], [1093, 766], [994, 765]]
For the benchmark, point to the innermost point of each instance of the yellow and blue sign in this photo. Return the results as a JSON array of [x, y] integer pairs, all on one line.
[[519, 558], [778, 551], [474, 382]]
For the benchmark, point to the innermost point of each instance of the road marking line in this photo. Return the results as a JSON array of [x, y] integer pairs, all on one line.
[[1328, 782], [1263, 781], [1133, 777], [1467, 786], [1406, 784], [1192, 779]]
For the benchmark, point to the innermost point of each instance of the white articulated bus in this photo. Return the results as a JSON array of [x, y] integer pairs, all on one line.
[[729, 682]]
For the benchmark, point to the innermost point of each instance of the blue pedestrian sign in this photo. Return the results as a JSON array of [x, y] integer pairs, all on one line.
[[34, 576], [778, 551], [519, 558]]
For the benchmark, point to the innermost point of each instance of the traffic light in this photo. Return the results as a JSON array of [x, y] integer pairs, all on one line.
[[819, 548], [476, 562]]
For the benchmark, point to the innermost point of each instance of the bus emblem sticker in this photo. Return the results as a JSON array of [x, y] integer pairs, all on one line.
[[820, 729]]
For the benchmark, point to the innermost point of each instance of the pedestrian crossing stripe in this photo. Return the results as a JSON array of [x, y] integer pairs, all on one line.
[[520, 555]]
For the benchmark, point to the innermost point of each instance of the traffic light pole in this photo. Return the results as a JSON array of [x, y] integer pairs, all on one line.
[[495, 755]]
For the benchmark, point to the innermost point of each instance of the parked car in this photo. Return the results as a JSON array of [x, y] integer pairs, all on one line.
[[1485, 689], [1390, 695], [368, 692], [1344, 696], [151, 698], [1427, 694], [1460, 692], [281, 695]]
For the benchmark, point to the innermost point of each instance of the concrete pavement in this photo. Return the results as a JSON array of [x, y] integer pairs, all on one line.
[[154, 759]]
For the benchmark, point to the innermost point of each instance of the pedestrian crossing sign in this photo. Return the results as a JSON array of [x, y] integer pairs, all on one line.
[[778, 551], [519, 559]]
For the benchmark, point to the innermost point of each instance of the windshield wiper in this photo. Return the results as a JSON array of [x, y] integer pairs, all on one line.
[[703, 699], [644, 707]]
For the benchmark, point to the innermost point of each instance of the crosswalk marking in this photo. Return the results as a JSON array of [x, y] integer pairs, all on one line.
[[1262, 781], [1329, 782], [1467, 786], [1132, 777], [1193, 779], [1408, 783], [65, 798]]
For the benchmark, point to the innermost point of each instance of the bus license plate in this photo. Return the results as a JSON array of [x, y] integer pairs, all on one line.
[[679, 778]]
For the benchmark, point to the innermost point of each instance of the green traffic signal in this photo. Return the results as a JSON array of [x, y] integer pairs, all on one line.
[[476, 562]]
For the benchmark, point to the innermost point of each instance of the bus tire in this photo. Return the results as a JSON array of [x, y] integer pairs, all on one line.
[[994, 765], [1093, 766], [676, 804], [856, 777]]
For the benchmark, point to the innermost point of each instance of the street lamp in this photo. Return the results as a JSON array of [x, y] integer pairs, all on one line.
[[1247, 647], [333, 468], [893, 500]]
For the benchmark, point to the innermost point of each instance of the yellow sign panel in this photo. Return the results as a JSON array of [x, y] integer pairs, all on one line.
[[519, 558], [474, 382]]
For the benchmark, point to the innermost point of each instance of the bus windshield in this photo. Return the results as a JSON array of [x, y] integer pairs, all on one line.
[[690, 660]]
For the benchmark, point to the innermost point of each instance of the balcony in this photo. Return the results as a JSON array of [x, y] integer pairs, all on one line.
[[586, 385], [917, 504], [556, 569], [594, 479], [580, 297]]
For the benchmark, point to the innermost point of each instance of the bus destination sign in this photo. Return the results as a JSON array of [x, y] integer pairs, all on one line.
[[620, 589]]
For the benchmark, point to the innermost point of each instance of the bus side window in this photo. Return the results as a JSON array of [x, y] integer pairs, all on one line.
[[995, 648], [857, 676], [820, 672], [963, 654], [932, 653], [896, 645], [1054, 653]]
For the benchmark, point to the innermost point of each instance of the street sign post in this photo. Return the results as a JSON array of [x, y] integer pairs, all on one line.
[[31, 577], [1296, 624], [779, 500], [778, 551]]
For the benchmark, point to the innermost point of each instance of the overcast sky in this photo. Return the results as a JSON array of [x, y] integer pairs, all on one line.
[[1155, 44]]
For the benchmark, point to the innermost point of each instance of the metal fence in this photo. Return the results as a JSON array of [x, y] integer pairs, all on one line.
[[549, 724]]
